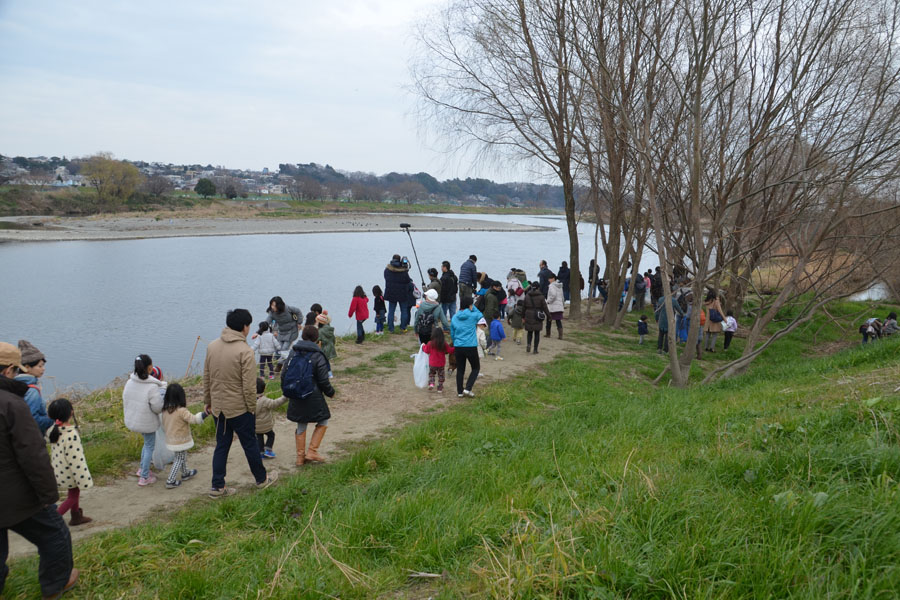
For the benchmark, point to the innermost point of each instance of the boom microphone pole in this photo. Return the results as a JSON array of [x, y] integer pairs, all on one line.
[[405, 227]]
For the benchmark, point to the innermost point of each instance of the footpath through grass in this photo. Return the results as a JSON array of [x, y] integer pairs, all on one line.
[[582, 481]]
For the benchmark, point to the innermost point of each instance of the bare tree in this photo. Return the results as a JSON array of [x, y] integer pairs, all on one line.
[[157, 185]]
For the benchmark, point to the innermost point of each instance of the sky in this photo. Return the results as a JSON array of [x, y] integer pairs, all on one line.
[[240, 84]]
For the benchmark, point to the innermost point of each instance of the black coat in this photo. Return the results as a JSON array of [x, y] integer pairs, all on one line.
[[25, 470], [533, 302], [544, 277], [449, 287], [396, 282], [313, 408], [563, 275]]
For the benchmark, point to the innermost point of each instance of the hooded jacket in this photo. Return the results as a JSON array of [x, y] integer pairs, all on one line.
[[439, 317], [265, 419], [449, 286], [662, 317], [360, 306], [313, 408], [326, 341], [463, 327], [25, 470], [544, 278], [229, 375], [467, 273], [142, 403], [35, 402], [178, 428], [396, 282], [286, 322], [266, 344], [67, 458], [555, 297], [534, 301]]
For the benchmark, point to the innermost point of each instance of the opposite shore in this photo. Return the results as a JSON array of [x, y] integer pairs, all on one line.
[[106, 228]]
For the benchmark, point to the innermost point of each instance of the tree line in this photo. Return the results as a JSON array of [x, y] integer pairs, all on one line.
[[753, 145]]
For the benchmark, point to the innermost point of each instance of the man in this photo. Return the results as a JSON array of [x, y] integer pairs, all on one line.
[[467, 278], [396, 291], [449, 288], [656, 288], [433, 282], [229, 390], [544, 277], [28, 495]]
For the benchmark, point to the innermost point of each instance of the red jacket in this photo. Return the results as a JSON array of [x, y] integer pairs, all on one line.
[[361, 307], [435, 357]]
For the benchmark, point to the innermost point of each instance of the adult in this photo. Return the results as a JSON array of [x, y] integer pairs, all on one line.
[[467, 279], [656, 288], [514, 290], [428, 316], [33, 366], [229, 392], [662, 320], [544, 277], [536, 310], [396, 291], [449, 289], [433, 282], [285, 322], [29, 492], [556, 304], [142, 401], [312, 408], [492, 301], [714, 318], [564, 276], [594, 278], [640, 291], [465, 341], [890, 324]]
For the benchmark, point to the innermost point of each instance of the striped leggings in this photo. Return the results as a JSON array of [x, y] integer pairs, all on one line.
[[178, 464]]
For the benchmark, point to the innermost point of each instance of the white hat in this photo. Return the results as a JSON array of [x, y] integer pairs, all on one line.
[[481, 321], [431, 294]]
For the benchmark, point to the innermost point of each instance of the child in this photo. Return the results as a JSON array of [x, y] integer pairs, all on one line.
[[34, 362], [516, 320], [267, 346], [380, 309], [67, 456], [360, 306], [482, 338], [326, 335], [497, 336], [265, 420], [437, 350], [642, 329], [177, 421], [730, 328]]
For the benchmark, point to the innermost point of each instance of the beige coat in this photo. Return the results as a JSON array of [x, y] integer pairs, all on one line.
[[229, 375], [67, 457], [178, 428], [711, 326], [265, 420]]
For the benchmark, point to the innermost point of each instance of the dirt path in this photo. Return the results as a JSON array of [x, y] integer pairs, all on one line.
[[372, 396]]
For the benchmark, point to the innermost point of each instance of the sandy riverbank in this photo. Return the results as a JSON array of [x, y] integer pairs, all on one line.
[[55, 229]]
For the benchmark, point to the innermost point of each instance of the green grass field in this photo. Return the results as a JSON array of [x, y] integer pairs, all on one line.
[[579, 481]]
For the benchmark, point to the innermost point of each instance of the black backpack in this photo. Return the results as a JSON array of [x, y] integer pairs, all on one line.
[[424, 322], [297, 381], [479, 303], [453, 288], [640, 285]]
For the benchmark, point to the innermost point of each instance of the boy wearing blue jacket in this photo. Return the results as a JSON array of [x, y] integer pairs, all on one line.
[[497, 336]]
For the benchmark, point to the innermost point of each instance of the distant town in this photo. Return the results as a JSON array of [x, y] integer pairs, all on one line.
[[307, 182]]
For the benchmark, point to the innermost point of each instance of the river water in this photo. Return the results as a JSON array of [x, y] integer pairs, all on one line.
[[92, 306]]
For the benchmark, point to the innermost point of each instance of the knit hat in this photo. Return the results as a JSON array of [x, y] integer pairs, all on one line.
[[156, 372], [431, 295], [481, 321], [323, 319], [30, 354], [10, 356]]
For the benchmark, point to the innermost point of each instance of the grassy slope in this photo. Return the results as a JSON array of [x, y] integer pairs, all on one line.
[[584, 483]]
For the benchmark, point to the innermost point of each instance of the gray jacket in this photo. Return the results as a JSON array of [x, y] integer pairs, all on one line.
[[286, 323]]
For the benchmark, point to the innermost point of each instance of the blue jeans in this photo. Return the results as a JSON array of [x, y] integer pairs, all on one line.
[[46, 530], [449, 309], [404, 315], [360, 332], [245, 427], [379, 321], [147, 453]]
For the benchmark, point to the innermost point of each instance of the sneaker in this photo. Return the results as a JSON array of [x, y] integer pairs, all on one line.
[[221, 492], [73, 579], [459, 395], [469, 393], [499, 358], [138, 473], [150, 479], [440, 390], [430, 387], [172, 484], [271, 375], [271, 478], [189, 475], [267, 453]]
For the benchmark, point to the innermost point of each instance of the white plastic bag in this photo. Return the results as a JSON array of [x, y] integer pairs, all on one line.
[[420, 368], [161, 454]]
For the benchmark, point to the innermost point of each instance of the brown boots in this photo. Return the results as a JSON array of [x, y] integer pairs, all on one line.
[[300, 440], [78, 517], [312, 455]]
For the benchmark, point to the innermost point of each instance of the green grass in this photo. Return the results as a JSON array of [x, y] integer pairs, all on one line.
[[578, 481]]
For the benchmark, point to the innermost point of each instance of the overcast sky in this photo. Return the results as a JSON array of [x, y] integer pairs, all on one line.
[[239, 84]]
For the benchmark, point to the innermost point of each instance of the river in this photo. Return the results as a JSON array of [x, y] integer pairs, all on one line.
[[92, 306]]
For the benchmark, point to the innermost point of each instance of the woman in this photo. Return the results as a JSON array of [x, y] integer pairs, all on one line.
[[556, 305], [142, 401], [465, 340], [312, 408], [890, 325], [285, 322], [714, 317], [563, 275], [396, 291], [536, 310]]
